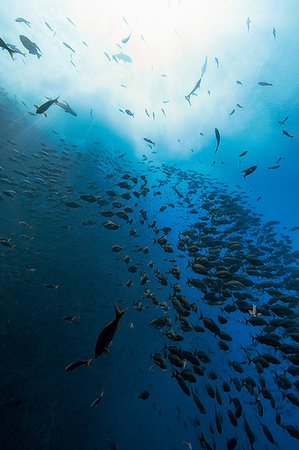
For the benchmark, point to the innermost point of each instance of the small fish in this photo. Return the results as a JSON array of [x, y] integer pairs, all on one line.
[[239, 82], [163, 112], [125, 40], [197, 85], [97, 400], [21, 20], [248, 22], [282, 122], [69, 47], [84, 43], [243, 153], [217, 138], [121, 56], [108, 332], [204, 67], [71, 21], [249, 171], [129, 112], [233, 111], [107, 56], [149, 141], [79, 363], [286, 133], [66, 107], [274, 167], [51, 286], [217, 61], [239, 106], [49, 27], [146, 112], [5, 47], [258, 199], [264, 83], [274, 33]]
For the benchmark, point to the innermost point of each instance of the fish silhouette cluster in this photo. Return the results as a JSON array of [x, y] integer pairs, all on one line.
[[221, 294]]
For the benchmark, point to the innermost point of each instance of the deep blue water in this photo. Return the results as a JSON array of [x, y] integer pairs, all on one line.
[[47, 162]]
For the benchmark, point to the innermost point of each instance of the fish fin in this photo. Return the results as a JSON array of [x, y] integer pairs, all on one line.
[[35, 106], [11, 52], [88, 362], [119, 313]]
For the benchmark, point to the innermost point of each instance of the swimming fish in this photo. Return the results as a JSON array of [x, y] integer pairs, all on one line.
[[239, 82], [107, 333], [286, 133], [233, 111], [97, 400], [187, 97], [21, 20], [69, 47], [274, 33], [217, 138], [274, 167], [125, 40], [121, 56], [71, 21], [204, 67], [217, 61], [248, 22], [129, 112], [264, 83], [49, 27], [149, 141], [282, 122], [66, 107], [32, 47], [79, 363], [243, 153], [249, 171], [43, 108], [6, 47]]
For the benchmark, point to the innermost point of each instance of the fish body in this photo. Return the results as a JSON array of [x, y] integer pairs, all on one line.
[[274, 33], [69, 47], [125, 40], [32, 47], [66, 107], [217, 138], [97, 400], [121, 56], [21, 20], [249, 171], [107, 333], [6, 47], [286, 133], [193, 90], [282, 122], [43, 108], [76, 364], [248, 22], [264, 83], [127, 111]]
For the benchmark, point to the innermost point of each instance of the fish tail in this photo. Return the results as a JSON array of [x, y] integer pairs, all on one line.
[[119, 313], [292, 137], [88, 362], [56, 287], [11, 52]]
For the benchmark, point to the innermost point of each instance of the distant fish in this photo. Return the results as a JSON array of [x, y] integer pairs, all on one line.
[[239, 106], [32, 47], [286, 133], [217, 61], [143, 38], [239, 82], [146, 112], [248, 22], [154, 116], [243, 153], [66, 107], [106, 335], [76, 364], [217, 138], [264, 83], [107, 56], [49, 27], [16, 50], [125, 21], [274, 33], [69, 47], [204, 67], [187, 97], [125, 40], [282, 122], [273, 167], [165, 101], [129, 112], [149, 141], [71, 21], [121, 56], [122, 111], [163, 112], [249, 171], [97, 400], [6, 47], [91, 113], [231, 113], [258, 199], [21, 20], [84, 43]]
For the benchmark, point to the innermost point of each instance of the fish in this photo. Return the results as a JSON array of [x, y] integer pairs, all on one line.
[[21, 20], [43, 108], [264, 83], [149, 141], [204, 67], [70, 21], [97, 400], [217, 134], [144, 395], [32, 47], [69, 47], [106, 335], [240, 106], [217, 62], [146, 112], [15, 49], [239, 82], [107, 56], [243, 153], [274, 167], [122, 57], [66, 107], [49, 27], [282, 122], [197, 85], [248, 22], [125, 40], [274, 33], [6, 47], [249, 171], [79, 363], [286, 133], [231, 113]]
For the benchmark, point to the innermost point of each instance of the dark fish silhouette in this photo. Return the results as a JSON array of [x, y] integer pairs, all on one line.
[[76, 364], [108, 332], [217, 138], [32, 47], [5, 47], [249, 171], [43, 108]]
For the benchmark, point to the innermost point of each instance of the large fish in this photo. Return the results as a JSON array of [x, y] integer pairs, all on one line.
[[43, 108], [32, 47], [107, 333]]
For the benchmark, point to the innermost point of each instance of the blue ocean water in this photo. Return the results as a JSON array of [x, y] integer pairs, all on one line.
[[179, 74]]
